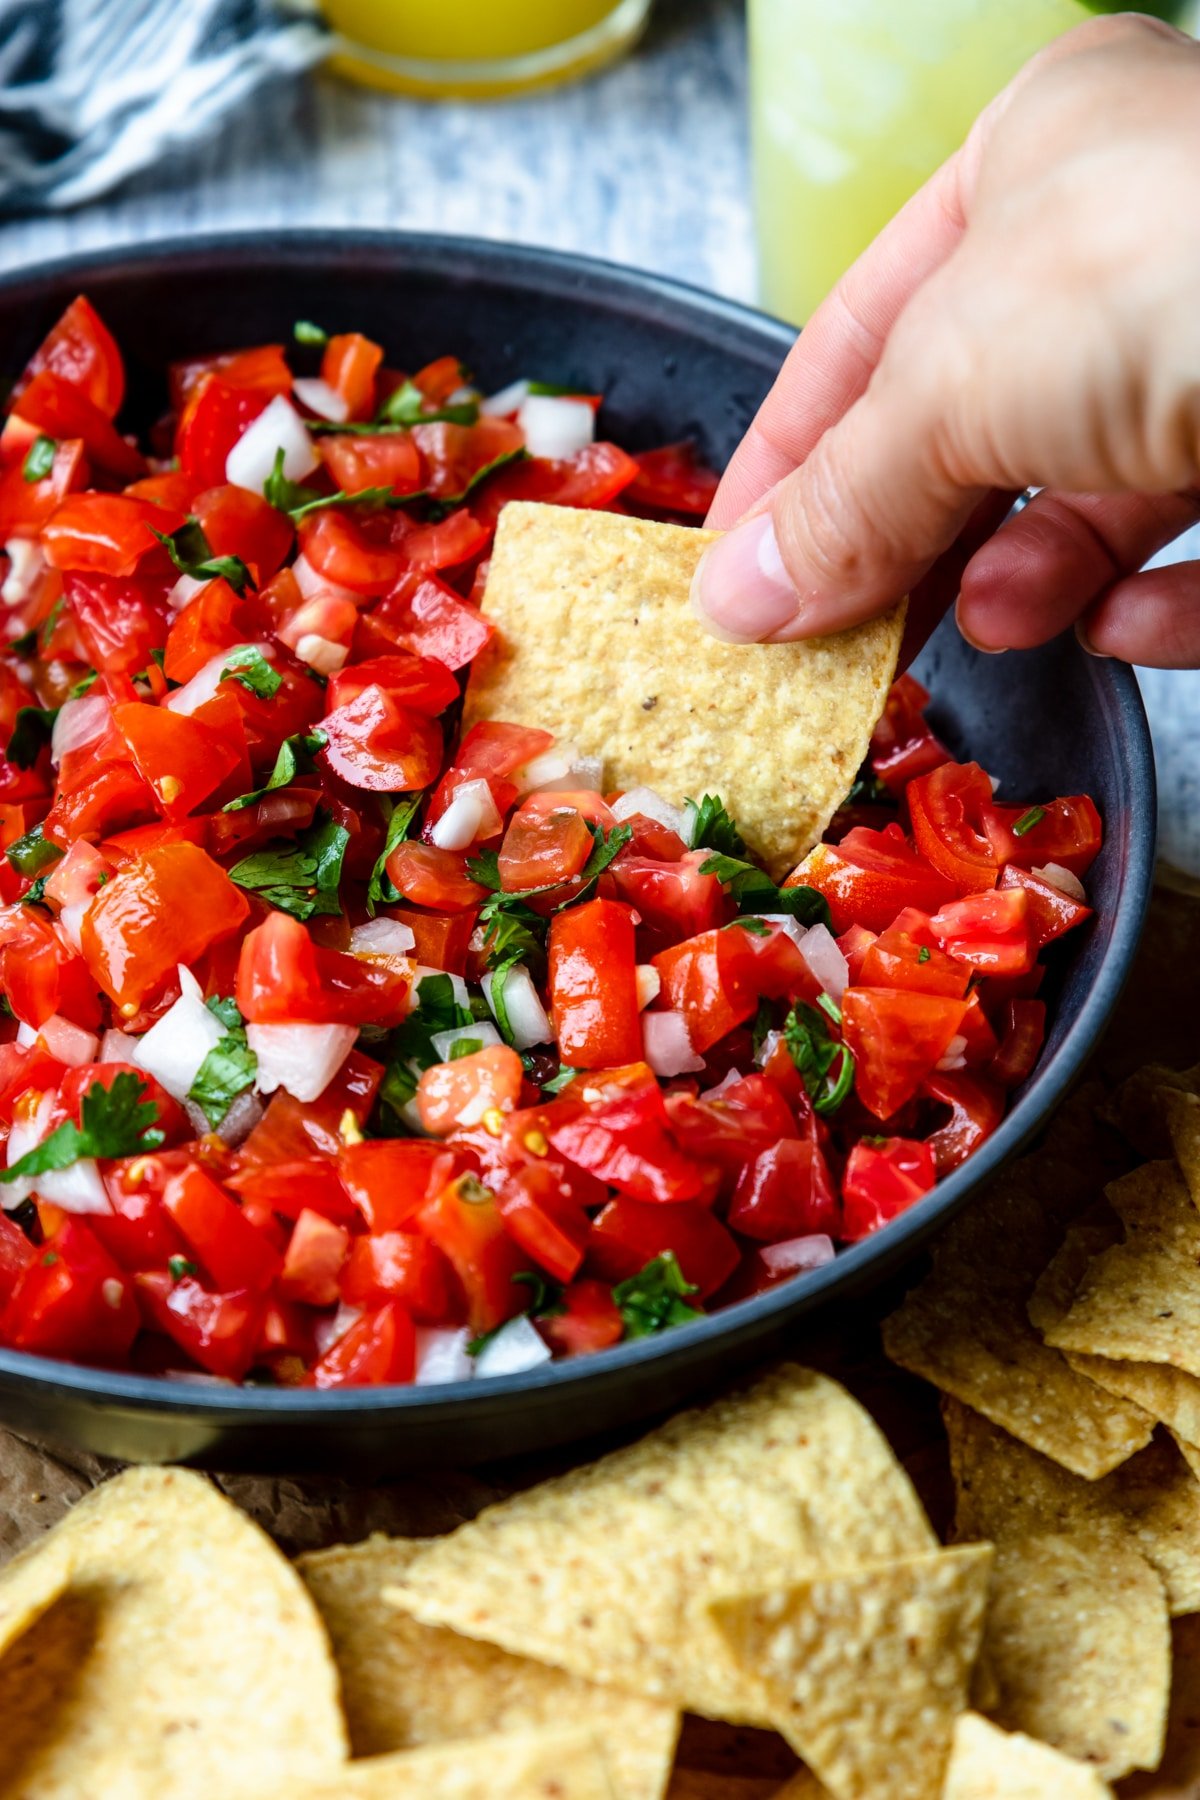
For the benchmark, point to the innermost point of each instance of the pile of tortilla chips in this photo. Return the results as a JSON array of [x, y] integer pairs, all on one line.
[[1061, 1320], [764, 1560]]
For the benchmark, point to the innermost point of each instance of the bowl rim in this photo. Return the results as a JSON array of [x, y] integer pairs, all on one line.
[[1120, 707]]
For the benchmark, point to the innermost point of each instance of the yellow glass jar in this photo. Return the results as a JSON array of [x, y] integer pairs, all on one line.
[[478, 49]]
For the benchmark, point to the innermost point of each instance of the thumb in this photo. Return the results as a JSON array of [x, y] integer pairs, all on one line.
[[854, 527]]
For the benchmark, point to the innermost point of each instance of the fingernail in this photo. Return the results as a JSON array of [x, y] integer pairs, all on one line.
[[984, 649], [1085, 643], [741, 591]]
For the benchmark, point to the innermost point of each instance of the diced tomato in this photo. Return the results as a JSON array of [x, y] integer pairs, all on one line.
[[181, 759], [389, 1179], [884, 1176], [431, 877], [464, 1222], [341, 552], [896, 1040], [710, 980], [214, 621], [629, 1233], [214, 417], [379, 1350], [372, 743], [734, 1126], [902, 745], [979, 1040], [38, 970], [456, 456], [593, 985], [1067, 832], [976, 1108], [671, 479], [989, 932], [349, 364], [626, 1141], [446, 544], [786, 1192], [61, 411], [399, 1265], [593, 477], [229, 1248], [493, 750], [356, 463], [439, 379], [25, 506], [81, 350], [909, 955], [236, 522], [419, 683], [442, 938], [72, 1300], [870, 876], [165, 908], [1051, 912], [316, 1252], [455, 1094], [283, 977], [951, 809], [16, 1254], [1023, 1032], [589, 1320], [541, 849], [672, 897], [423, 615], [107, 534], [113, 798], [262, 366], [543, 1217], [220, 1332], [292, 1129], [121, 622], [138, 1233]]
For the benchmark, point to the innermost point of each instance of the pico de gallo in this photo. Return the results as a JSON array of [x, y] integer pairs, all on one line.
[[343, 1048]]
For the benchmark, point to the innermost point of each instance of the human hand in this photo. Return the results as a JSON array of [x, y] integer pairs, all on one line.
[[1030, 318]]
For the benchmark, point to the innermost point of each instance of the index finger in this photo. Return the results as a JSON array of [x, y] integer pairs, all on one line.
[[832, 360]]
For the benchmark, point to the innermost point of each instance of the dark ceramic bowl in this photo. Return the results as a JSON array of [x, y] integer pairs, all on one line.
[[671, 363]]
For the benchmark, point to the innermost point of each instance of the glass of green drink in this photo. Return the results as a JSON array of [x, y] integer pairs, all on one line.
[[854, 103]]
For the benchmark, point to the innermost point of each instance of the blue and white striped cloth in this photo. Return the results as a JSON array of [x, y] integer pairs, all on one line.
[[93, 90]]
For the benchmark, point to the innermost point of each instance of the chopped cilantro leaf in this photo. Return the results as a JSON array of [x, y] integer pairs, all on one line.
[[30, 734], [924, 953], [756, 927], [381, 890], [295, 758], [558, 1082], [116, 1121], [298, 501], [606, 846], [867, 789], [755, 892], [1028, 820], [407, 407], [30, 854], [179, 1266], [225, 1009], [814, 1053], [468, 1046], [247, 664], [764, 1022], [49, 624], [655, 1299], [26, 644], [84, 685], [37, 893], [412, 1042], [446, 503], [301, 878], [709, 826], [189, 550], [545, 1302], [305, 332], [39, 459], [227, 1071]]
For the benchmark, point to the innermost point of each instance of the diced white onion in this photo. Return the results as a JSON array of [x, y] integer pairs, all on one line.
[[185, 589], [27, 564], [668, 1044], [819, 950], [326, 1332], [117, 1046], [516, 1347], [301, 1058], [26, 1134], [505, 400], [313, 584], [382, 937], [561, 770], [321, 399], [768, 1048], [649, 985], [321, 653], [176, 1045], [200, 689], [458, 987], [644, 800], [71, 1044], [479, 1030], [795, 930], [70, 923], [79, 723], [730, 1079], [77, 1188], [954, 1056], [797, 1254], [442, 1356], [526, 1015], [470, 815], [1064, 880], [278, 427], [556, 426]]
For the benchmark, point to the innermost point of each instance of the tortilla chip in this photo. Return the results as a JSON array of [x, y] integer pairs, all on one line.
[[527, 1765], [405, 1684], [597, 642], [606, 1571], [967, 1329], [989, 1764], [1005, 1490], [1178, 1774], [803, 1786], [29, 1585], [708, 1784], [1182, 1113], [1140, 1301], [865, 1671], [184, 1648], [1079, 1643], [1136, 1109]]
